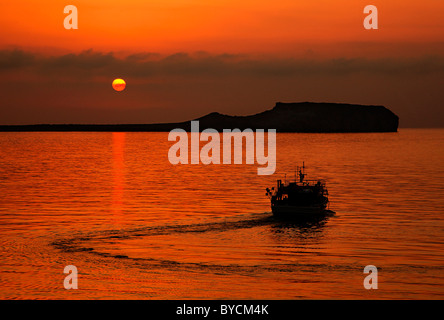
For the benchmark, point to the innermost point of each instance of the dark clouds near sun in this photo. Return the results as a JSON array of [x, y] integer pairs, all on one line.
[[76, 87]]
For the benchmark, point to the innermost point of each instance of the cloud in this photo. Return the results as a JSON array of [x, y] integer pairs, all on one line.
[[145, 65], [16, 59]]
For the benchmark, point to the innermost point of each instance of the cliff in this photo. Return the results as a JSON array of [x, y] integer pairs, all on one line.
[[284, 117]]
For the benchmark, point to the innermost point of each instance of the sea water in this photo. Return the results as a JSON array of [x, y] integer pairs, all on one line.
[[138, 227]]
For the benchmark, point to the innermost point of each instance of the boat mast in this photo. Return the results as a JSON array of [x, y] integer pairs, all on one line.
[[302, 173]]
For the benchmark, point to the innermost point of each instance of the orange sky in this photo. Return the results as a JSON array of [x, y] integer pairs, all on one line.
[[231, 56], [282, 26]]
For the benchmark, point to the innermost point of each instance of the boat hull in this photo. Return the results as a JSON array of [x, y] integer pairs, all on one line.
[[299, 212]]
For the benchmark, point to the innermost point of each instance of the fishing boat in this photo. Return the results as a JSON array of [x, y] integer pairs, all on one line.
[[300, 198]]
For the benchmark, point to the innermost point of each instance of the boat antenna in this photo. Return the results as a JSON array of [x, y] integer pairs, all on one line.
[[301, 173]]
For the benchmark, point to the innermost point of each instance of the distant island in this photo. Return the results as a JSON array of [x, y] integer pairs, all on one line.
[[308, 117]]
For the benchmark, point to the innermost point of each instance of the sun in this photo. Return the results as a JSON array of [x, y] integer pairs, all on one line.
[[119, 84]]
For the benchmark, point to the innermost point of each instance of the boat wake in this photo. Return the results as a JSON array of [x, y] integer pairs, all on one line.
[[92, 243]]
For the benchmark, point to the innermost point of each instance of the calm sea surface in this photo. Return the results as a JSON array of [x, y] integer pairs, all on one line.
[[137, 227]]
